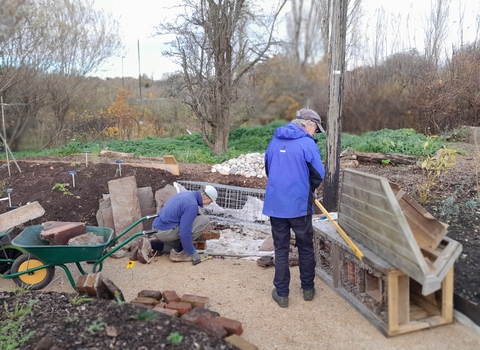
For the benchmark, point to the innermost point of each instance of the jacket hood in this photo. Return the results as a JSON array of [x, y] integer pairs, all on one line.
[[290, 132]]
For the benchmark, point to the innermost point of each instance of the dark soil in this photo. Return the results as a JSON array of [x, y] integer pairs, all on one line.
[[70, 326]]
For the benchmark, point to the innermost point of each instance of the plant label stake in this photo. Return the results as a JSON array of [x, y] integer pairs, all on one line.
[[9, 190], [86, 151], [73, 172], [119, 162]]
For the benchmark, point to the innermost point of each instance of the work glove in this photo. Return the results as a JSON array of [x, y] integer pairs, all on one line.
[[196, 258]]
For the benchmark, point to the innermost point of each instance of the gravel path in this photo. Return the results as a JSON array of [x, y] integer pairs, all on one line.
[[240, 289]]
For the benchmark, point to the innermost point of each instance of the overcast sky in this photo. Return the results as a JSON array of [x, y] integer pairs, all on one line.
[[138, 17]]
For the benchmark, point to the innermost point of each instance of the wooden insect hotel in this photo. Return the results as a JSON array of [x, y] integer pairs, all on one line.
[[404, 281]]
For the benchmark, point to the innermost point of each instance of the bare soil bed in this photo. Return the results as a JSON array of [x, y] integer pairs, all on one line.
[[38, 177]]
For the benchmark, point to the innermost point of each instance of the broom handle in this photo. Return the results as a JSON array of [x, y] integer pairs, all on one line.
[[347, 239]]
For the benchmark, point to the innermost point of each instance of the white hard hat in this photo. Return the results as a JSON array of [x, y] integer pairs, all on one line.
[[211, 192]]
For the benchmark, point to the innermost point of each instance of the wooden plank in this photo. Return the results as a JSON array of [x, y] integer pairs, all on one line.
[[375, 198], [423, 324], [372, 230], [20, 215], [424, 304], [361, 180], [403, 298], [325, 229], [447, 297], [409, 267], [337, 265], [427, 231], [169, 159], [392, 293]]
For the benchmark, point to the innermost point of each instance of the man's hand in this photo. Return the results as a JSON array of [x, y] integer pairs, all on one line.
[[196, 258]]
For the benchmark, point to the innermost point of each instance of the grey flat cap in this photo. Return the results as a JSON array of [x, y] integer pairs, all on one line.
[[308, 114]]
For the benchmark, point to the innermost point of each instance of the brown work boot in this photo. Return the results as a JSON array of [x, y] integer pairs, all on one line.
[[182, 256]]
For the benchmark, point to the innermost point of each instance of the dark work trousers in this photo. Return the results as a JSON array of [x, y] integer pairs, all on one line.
[[303, 229]]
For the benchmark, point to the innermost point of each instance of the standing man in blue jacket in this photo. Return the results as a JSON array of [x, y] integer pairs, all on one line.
[[179, 223], [294, 169]]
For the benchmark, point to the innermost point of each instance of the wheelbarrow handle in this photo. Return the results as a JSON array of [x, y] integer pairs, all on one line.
[[132, 226]]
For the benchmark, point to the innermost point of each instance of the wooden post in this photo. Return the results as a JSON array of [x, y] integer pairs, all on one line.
[[337, 67]]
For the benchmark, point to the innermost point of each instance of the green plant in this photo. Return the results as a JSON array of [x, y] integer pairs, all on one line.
[[21, 291], [118, 301], [18, 311], [471, 207], [175, 338], [79, 300], [434, 167], [96, 326], [71, 319], [147, 315], [386, 161], [10, 326], [62, 188], [450, 210]]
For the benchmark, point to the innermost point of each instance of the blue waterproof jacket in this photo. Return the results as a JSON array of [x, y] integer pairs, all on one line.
[[180, 210], [294, 169]]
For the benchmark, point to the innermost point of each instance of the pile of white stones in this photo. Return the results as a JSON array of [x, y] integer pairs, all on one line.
[[248, 165]]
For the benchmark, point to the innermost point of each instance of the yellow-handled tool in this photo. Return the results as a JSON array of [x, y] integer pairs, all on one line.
[[347, 239]]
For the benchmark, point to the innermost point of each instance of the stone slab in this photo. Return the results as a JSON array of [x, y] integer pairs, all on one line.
[[125, 205]]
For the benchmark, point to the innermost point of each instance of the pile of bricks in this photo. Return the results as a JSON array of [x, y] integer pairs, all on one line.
[[188, 307]]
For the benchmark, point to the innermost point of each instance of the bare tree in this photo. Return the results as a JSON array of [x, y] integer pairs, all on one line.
[[217, 43], [12, 12], [324, 10], [62, 41], [436, 29], [304, 39]]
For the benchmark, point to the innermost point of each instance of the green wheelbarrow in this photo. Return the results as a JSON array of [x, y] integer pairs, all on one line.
[[35, 268], [8, 252]]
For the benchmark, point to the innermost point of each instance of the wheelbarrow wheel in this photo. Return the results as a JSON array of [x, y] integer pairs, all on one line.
[[8, 253], [32, 280]]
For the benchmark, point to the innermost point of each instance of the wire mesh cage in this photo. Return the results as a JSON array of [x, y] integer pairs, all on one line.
[[234, 205]]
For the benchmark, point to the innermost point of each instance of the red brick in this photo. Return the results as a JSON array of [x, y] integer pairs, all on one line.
[[207, 322], [231, 326], [160, 305], [58, 232], [150, 294], [91, 283], [182, 308], [146, 301], [193, 315], [170, 295], [79, 286], [143, 306], [169, 312], [196, 300]]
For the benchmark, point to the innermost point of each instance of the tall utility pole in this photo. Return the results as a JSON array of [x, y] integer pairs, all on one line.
[[334, 125], [139, 71]]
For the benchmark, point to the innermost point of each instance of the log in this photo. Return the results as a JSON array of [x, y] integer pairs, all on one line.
[[113, 154], [395, 158]]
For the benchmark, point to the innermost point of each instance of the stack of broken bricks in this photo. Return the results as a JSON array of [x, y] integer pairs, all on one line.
[[188, 307]]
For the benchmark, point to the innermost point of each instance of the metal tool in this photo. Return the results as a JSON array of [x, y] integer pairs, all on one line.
[[347, 239], [202, 260]]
